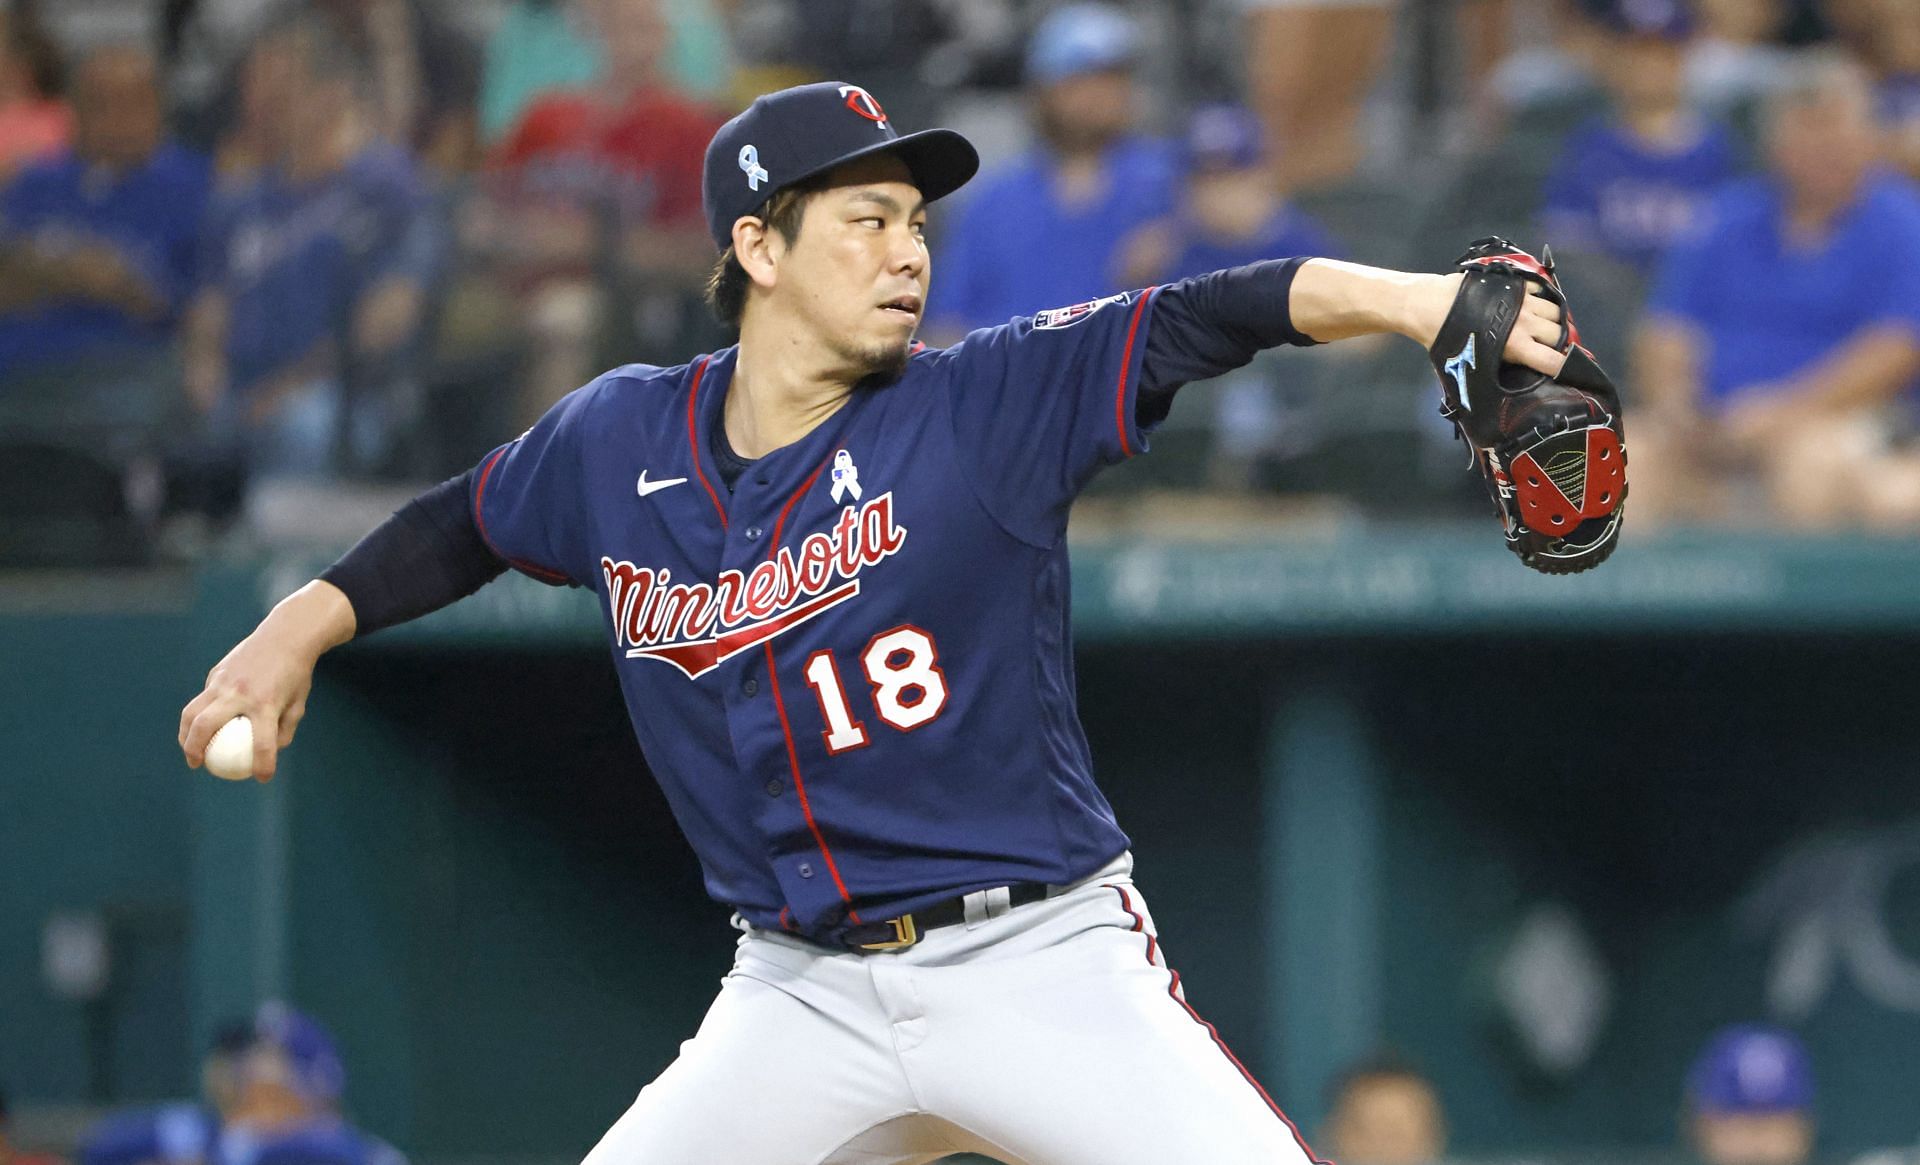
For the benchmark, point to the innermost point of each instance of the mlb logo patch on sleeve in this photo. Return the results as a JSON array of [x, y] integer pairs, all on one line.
[[1066, 317]]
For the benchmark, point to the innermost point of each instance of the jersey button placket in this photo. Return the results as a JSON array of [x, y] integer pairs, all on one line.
[[747, 549]]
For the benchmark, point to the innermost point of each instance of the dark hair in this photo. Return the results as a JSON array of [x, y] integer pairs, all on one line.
[[319, 50], [28, 41], [727, 284], [232, 1038]]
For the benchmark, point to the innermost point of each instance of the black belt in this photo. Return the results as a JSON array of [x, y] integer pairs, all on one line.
[[906, 930]]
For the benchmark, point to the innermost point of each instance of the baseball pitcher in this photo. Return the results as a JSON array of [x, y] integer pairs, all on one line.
[[834, 578]]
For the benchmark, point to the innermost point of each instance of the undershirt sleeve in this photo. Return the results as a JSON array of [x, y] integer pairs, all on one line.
[[1214, 323], [428, 555]]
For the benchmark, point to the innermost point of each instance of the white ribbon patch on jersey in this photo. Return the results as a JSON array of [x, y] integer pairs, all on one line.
[[1066, 317], [846, 479]]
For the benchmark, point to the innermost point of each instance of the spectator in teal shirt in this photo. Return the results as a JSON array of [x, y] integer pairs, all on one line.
[[539, 45], [544, 45]]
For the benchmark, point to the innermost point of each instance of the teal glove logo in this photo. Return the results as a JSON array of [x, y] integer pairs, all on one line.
[[1457, 368]]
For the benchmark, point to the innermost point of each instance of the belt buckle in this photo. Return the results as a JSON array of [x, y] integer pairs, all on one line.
[[905, 934]]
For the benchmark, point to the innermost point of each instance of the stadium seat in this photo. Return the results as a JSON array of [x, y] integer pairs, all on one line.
[[1372, 217], [63, 505]]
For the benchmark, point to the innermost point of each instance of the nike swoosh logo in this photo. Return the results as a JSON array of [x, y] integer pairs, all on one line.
[[646, 487]]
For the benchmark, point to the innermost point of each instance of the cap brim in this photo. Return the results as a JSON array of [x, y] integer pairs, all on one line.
[[940, 160]]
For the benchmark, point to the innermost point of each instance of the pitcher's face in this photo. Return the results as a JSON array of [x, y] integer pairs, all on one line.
[[858, 271]]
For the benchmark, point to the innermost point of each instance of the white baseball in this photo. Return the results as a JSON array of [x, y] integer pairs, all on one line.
[[230, 752]]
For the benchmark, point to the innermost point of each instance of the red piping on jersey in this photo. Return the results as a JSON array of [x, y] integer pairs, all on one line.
[[786, 728], [480, 523], [693, 441], [1173, 990], [1126, 363]]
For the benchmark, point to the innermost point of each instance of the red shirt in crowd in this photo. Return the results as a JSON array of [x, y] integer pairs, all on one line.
[[646, 154], [31, 130]]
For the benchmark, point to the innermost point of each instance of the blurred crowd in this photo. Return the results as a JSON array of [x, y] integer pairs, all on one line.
[[245, 243], [272, 1092], [1747, 1099]]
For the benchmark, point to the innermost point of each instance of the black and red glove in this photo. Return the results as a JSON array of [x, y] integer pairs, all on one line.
[[1551, 448]]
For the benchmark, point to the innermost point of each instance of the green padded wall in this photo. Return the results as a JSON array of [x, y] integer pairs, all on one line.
[[93, 818], [1339, 821]]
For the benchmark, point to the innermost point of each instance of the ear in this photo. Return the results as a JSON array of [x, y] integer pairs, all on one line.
[[758, 249]]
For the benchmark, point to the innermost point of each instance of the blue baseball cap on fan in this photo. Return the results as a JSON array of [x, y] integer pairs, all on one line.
[[1751, 1069], [1224, 137], [1665, 19], [310, 1053], [1081, 38], [798, 133]]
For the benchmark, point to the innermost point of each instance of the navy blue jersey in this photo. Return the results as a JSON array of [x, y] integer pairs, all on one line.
[[1289, 231], [853, 674]]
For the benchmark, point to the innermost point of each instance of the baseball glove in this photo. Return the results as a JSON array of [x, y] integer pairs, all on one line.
[[1550, 448]]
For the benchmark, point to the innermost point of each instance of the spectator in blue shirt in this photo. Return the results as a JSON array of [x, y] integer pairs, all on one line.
[[1631, 184], [1782, 339], [315, 274], [1046, 231], [282, 1107], [1232, 212], [97, 243], [181, 1133]]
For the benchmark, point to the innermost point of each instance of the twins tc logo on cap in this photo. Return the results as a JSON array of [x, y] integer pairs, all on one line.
[[805, 131], [862, 103], [751, 167], [857, 99]]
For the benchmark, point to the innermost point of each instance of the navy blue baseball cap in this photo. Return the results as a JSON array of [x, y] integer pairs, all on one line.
[[1224, 137], [311, 1055], [795, 134], [1665, 19], [1751, 1069]]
